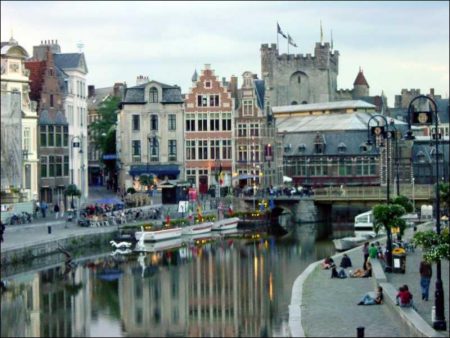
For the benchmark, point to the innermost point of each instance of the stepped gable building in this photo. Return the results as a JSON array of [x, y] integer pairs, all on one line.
[[150, 133], [48, 89], [59, 85], [254, 134], [301, 79], [209, 131], [19, 131]]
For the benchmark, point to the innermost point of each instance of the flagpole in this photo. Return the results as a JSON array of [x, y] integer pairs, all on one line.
[[278, 43], [288, 43]]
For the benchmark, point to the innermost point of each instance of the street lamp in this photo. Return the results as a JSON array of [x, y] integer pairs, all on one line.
[[423, 118], [379, 131], [75, 143], [394, 135]]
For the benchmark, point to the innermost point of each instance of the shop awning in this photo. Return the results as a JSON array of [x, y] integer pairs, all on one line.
[[156, 169]]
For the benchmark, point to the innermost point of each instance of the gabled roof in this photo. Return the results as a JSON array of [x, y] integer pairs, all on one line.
[[70, 61], [360, 79], [101, 94]]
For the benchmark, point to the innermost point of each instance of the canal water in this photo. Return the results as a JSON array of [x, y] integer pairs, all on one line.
[[227, 285]]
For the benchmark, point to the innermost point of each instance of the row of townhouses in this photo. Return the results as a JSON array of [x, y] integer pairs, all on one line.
[[291, 121], [44, 124]]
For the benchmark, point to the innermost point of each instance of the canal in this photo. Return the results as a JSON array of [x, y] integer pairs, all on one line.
[[227, 285]]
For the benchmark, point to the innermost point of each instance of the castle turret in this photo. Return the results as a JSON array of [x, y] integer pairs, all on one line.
[[322, 55], [360, 86], [268, 57]]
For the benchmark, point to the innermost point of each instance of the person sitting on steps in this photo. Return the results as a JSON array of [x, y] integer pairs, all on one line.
[[361, 273], [368, 299], [404, 298], [328, 263], [345, 262]]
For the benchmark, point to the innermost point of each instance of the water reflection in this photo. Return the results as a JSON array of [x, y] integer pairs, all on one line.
[[224, 286]]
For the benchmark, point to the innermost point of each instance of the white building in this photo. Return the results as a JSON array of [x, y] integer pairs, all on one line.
[[150, 133], [15, 78], [75, 106]]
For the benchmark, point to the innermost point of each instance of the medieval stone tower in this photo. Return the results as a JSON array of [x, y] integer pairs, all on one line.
[[296, 79]]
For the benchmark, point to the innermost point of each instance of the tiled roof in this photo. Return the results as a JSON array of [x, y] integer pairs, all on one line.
[[170, 94], [360, 79], [100, 94], [69, 60]]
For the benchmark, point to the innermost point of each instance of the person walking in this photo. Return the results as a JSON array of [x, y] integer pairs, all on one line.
[[56, 210], [3, 227], [425, 278], [61, 208], [373, 251], [365, 251], [44, 207]]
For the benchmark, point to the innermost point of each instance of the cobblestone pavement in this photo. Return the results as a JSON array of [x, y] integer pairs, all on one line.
[[411, 277], [330, 306]]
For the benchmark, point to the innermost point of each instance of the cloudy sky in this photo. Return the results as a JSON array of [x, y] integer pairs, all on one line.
[[398, 44]]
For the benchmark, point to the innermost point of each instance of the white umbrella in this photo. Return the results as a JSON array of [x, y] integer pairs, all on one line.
[[286, 179]]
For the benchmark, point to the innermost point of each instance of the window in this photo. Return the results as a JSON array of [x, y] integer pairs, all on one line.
[[65, 136], [59, 166], [208, 84], [153, 95], [66, 165], [51, 136], [226, 149], [421, 157], [247, 107], [58, 136], [154, 150], [365, 167], [242, 130], [44, 166], [302, 148], [135, 123], [254, 129], [51, 164], [226, 121], [255, 153], [154, 122], [136, 150], [202, 100], [202, 149], [191, 175], [43, 136], [213, 100], [190, 150], [190, 122], [172, 122], [202, 122], [172, 150], [345, 167], [214, 149], [51, 100], [242, 153], [214, 122], [342, 148]]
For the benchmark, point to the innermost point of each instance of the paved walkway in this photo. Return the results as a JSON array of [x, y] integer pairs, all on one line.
[[325, 307]]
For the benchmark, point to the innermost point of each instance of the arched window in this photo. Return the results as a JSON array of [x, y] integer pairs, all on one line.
[[153, 95], [421, 157], [154, 122], [294, 103], [342, 148]]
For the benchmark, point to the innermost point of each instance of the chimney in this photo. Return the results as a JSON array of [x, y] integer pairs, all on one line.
[[141, 80], [432, 92], [207, 66], [91, 90], [118, 89], [233, 86]]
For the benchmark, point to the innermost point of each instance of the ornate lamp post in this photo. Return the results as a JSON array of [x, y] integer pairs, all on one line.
[[426, 118], [394, 135], [380, 131]]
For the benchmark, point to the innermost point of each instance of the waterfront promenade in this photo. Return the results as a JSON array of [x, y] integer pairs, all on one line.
[[325, 307]]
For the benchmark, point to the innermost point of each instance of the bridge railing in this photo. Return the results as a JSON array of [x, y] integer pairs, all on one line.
[[420, 192]]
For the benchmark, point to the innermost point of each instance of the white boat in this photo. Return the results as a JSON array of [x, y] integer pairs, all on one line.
[[195, 229], [158, 234], [160, 246], [347, 243], [226, 223]]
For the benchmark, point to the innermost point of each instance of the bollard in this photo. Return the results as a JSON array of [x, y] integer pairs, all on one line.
[[49, 228], [360, 332]]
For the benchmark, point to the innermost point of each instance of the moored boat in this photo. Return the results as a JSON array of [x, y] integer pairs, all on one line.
[[195, 229], [160, 246], [226, 223], [347, 243], [159, 234]]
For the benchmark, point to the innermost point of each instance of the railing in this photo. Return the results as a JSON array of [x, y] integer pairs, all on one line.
[[420, 192]]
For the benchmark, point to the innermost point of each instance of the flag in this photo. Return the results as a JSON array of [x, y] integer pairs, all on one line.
[[321, 32], [279, 31], [291, 42]]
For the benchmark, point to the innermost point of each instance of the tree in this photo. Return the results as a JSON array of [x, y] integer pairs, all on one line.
[[435, 247], [405, 202], [103, 130], [388, 216], [444, 191], [72, 190], [146, 180]]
